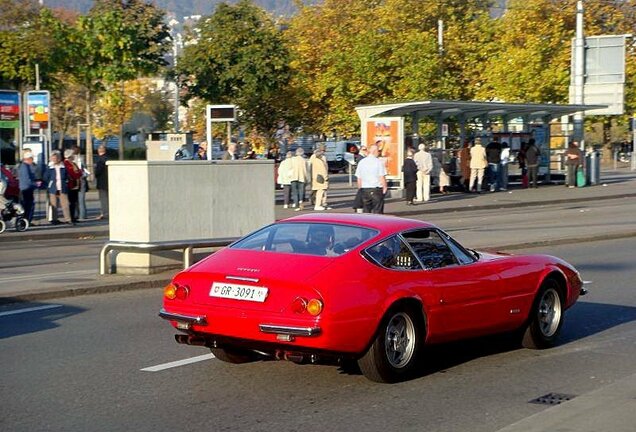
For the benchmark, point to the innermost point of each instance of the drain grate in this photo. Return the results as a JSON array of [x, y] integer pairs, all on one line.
[[552, 399]]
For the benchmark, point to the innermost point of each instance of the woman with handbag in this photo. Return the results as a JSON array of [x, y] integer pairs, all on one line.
[[320, 179]]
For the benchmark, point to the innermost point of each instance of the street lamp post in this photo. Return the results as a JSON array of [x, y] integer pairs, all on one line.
[[579, 74]]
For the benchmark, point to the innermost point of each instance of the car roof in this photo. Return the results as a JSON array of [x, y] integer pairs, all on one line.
[[384, 224]]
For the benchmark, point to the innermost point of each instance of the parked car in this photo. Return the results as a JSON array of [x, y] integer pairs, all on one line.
[[336, 154], [336, 288]]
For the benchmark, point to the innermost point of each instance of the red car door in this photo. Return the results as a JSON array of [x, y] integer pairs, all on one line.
[[468, 289], [470, 298]]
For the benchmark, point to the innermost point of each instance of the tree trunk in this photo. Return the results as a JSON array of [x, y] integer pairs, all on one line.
[[121, 140]]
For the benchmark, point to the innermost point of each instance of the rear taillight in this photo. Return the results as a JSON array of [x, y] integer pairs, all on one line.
[[182, 292], [170, 292], [312, 307], [175, 291]]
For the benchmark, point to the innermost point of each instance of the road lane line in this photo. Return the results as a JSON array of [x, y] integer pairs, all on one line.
[[45, 275], [178, 363], [31, 309]]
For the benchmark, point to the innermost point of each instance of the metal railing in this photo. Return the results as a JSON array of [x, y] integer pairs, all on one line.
[[187, 246]]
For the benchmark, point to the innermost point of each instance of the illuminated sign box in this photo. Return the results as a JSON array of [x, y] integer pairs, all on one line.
[[221, 113]]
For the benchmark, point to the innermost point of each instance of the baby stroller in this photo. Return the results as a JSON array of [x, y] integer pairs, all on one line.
[[11, 212]]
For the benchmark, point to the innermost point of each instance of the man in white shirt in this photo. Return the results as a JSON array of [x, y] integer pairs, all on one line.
[[424, 162], [371, 175]]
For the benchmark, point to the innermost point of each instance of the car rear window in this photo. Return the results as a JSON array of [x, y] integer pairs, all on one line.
[[320, 239]]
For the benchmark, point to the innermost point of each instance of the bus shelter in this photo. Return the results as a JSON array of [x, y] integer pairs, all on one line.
[[459, 121]]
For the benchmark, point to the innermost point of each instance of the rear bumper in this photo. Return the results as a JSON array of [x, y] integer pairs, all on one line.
[[183, 319], [294, 332], [290, 330]]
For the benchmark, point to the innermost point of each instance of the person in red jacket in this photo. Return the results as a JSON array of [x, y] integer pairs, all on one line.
[[74, 174]]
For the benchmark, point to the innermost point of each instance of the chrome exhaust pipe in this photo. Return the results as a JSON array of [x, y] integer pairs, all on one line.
[[190, 340]]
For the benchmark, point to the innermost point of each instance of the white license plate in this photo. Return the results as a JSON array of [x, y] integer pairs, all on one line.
[[238, 292]]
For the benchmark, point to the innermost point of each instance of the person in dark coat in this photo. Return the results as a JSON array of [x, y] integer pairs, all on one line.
[[56, 179], [532, 156], [28, 183], [101, 177], [410, 176], [493, 156]]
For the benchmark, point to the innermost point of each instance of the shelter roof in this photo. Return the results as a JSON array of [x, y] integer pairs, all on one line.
[[442, 109]]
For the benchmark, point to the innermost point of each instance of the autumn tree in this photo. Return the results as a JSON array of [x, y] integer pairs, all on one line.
[[238, 58], [115, 42], [25, 42], [352, 52]]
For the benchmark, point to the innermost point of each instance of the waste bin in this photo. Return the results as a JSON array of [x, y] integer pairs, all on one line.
[[593, 167]]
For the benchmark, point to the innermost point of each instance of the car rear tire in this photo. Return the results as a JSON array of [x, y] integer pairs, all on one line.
[[234, 356], [394, 353], [546, 317], [3, 226]]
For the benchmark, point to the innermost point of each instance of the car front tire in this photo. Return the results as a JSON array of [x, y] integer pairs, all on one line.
[[546, 317], [393, 354]]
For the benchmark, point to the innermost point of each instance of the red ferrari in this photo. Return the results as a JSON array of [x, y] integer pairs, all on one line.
[[335, 288]]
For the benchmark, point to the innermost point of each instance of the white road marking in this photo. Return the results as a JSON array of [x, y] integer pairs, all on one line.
[[45, 275], [178, 363], [31, 309]]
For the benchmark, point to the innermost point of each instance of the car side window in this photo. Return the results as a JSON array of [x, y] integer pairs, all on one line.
[[393, 254], [430, 248], [462, 255]]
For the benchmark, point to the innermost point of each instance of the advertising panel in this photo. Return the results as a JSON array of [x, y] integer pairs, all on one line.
[[389, 132], [9, 109], [37, 107]]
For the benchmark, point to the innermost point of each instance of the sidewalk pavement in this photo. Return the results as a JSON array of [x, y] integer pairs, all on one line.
[[614, 185], [610, 408]]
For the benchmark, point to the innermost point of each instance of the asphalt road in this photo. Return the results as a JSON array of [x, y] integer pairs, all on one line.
[[77, 366]]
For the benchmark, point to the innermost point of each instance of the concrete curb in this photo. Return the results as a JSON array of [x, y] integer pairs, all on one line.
[[509, 205], [22, 297]]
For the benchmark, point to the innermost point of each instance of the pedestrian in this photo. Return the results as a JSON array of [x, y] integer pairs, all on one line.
[[464, 165], [231, 153], [572, 162], [532, 157], [101, 177], [56, 179], [424, 163], [299, 177], [73, 174], [83, 183], [319, 179], [478, 164], [444, 179], [410, 176], [202, 151], [436, 172], [371, 177], [28, 183], [493, 156], [284, 178], [503, 170], [357, 200], [521, 158]]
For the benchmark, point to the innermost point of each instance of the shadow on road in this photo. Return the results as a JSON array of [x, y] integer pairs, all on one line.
[[35, 320], [584, 319]]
